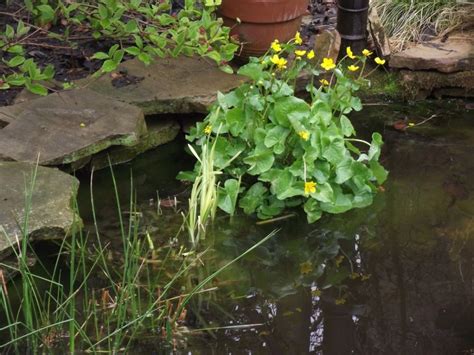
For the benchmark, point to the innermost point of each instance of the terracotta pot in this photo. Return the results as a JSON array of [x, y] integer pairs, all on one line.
[[262, 21]]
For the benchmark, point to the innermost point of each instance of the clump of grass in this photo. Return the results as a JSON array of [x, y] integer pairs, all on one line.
[[406, 20], [139, 294]]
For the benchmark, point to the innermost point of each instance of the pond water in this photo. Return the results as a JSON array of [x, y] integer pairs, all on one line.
[[394, 278]]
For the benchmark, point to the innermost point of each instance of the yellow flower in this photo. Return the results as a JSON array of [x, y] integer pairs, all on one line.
[[208, 129], [353, 67], [311, 54], [366, 52], [279, 62], [304, 135], [298, 39], [300, 53], [276, 46], [328, 64], [349, 53], [379, 61], [309, 187], [324, 82], [411, 124]]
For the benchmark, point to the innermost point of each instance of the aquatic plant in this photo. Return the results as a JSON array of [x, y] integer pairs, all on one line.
[[292, 152], [129, 29], [96, 298]]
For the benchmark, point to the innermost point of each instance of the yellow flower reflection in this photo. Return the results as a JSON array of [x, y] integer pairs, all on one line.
[[328, 64], [309, 187]]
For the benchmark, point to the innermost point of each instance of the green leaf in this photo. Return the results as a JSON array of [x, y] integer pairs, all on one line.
[[313, 211], [260, 160], [253, 198], [375, 147], [228, 196], [344, 171], [235, 118], [16, 61], [290, 109], [108, 66], [379, 171], [346, 126], [226, 69], [252, 70], [37, 89], [324, 193], [133, 51], [100, 56], [276, 135]]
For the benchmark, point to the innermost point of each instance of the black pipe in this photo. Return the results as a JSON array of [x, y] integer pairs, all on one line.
[[352, 18]]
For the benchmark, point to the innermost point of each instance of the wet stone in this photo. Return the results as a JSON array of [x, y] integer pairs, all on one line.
[[169, 85], [66, 127], [50, 215]]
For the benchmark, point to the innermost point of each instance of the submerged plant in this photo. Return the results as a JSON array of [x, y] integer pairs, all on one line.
[[292, 152]]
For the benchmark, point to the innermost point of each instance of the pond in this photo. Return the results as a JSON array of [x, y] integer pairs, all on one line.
[[396, 277], [393, 278]]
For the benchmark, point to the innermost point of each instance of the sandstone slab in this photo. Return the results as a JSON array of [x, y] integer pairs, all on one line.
[[168, 85], [49, 215], [448, 55], [159, 132], [67, 127]]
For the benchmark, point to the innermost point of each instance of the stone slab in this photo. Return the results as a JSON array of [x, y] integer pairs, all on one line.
[[51, 214], [66, 127], [454, 54], [168, 85], [159, 132]]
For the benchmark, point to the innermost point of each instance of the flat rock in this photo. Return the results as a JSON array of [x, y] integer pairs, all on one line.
[[66, 127], [159, 132], [454, 54], [50, 214], [169, 85]]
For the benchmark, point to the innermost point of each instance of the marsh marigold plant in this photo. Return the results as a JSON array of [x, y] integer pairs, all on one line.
[[277, 151]]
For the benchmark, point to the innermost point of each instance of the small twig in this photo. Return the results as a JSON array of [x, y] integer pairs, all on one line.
[[277, 219]]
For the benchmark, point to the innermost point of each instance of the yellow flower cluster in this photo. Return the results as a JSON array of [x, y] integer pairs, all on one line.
[[208, 130]]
